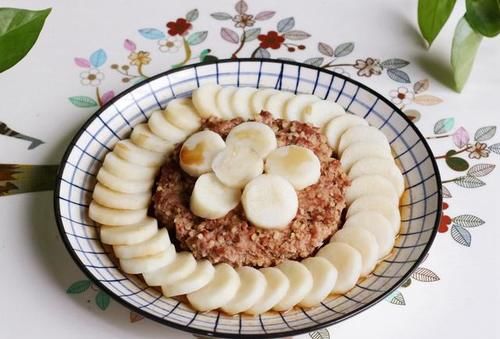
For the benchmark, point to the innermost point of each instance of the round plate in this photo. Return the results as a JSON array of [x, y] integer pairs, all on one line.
[[421, 205]]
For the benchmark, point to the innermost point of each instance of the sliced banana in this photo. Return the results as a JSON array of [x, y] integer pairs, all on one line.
[[235, 166], [320, 112], [276, 289], [218, 292], [338, 125], [114, 217], [131, 234], [122, 201], [134, 154], [202, 275], [182, 114], [126, 170], [183, 265], [123, 185], [259, 98], [240, 102], [223, 101], [264, 196], [198, 152], [324, 278], [148, 263], [377, 203], [301, 283], [156, 244], [275, 104], [296, 105], [361, 150], [211, 199], [362, 134], [347, 260], [252, 287], [381, 166], [255, 135], [143, 137], [299, 165], [204, 100], [370, 185], [362, 240], [377, 225], [159, 125]]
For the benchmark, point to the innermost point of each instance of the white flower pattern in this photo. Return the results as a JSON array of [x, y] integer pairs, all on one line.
[[92, 77], [170, 45]]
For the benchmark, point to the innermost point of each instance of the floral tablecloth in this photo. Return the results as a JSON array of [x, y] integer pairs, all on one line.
[[91, 50]]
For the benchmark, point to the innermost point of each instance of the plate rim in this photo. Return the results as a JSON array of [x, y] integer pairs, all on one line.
[[185, 328]]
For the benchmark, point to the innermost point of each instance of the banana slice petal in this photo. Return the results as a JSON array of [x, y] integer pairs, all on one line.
[[347, 260], [122, 201], [148, 263], [259, 98], [359, 134], [338, 125], [377, 203], [297, 104], [204, 100], [361, 150], [126, 170], [362, 240], [114, 217], [211, 199], [218, 292], [123, 185], [370, 185], [134, 154], [129, 235], [223, 101], [276, 104], [299, 165], [202, 275], [320, 112], [182, 114], [264, 196], [159, 125], [324, 278], [240, 102], [198, 152], [276, 289], [380, 166], [156, 244], [301, 283], [252, 287], [235, 166], [182, 266], [143, 137], [255, 135]]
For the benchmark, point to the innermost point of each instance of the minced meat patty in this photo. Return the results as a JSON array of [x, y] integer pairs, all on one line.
[[232, 239]]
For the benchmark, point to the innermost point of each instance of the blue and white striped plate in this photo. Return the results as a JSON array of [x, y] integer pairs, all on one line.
[[421, 208]]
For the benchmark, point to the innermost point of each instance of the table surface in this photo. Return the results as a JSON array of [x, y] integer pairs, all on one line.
[[47, 97]]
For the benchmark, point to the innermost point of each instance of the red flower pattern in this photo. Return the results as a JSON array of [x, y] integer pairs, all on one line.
[[445, 220], [179, 27], [271, 40]]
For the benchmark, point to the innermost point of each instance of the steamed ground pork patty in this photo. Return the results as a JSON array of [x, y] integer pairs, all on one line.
[[232, 239]]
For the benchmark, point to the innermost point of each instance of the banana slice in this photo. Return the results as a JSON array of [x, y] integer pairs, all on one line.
[[148, 263], [198, 152], [183, 265], [129, 235], [114, 217], [377, 203], [211, 199], [121, 201], [370, 185], [299, 165], [127, 150], [259, 98], [270, 201], [364, 242], [324, 278], [126, 170], [240, 102], [320, 112], [123, 185], [223, 101], [202, 275], [276, 289], [156, 244], [159, 125], [235, 166], [347, 260], [143, 137], [380, 166], [252, 287], [377, 225], [301, 283], [255, 135], [296, 105], [362, 133], [218, 292], [361, 150], [338, 125], [204, 100], [182, 114], [276, 104]]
